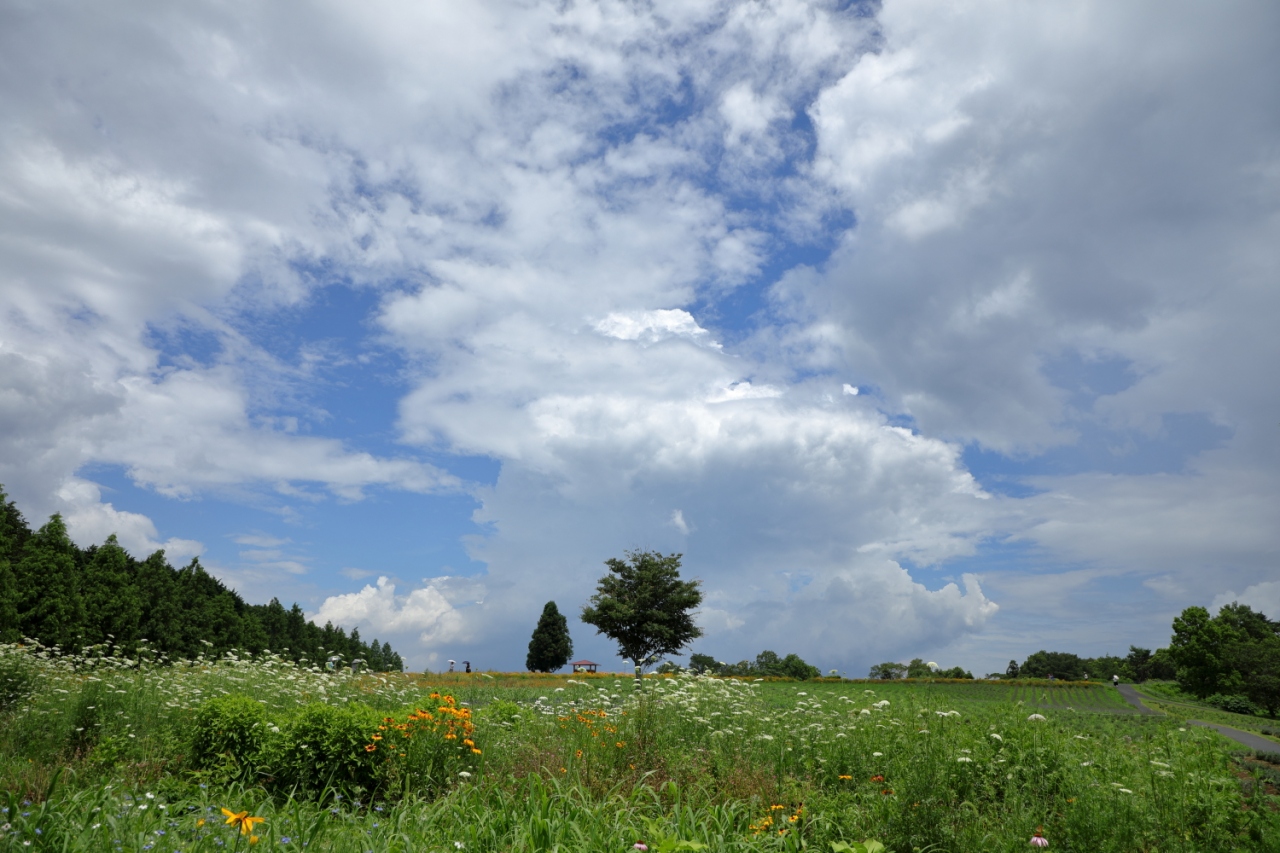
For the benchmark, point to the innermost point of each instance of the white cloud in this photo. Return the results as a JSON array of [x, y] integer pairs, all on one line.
[[90, 520], [677, 521], [654, 326], [425, 614], [1262, 597], [524, 183]]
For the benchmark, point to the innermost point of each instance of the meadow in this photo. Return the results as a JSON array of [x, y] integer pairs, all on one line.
[[112, 754]]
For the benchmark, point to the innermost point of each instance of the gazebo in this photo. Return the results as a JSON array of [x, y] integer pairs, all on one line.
[[584, 666]]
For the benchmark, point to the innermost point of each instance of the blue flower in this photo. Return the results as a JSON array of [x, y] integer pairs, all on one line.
[[284, 839]]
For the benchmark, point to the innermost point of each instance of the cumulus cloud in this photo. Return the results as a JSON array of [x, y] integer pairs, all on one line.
[[424, 614], [90, 520], [580, 225], [1263, 597]]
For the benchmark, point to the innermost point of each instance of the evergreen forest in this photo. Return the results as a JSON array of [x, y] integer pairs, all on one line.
[[73, 598]]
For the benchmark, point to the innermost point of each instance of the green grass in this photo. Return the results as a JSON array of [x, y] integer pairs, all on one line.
[[99, 759]]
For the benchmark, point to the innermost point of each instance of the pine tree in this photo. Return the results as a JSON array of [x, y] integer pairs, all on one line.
[[550, 647]]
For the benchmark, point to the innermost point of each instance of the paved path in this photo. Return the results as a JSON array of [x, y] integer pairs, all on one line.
[[1131, 696], [1249, 739], [1255, 742]]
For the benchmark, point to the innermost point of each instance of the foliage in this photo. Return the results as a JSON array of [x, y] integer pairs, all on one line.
[[888, 671], [703, 664], [766, 665], [1232, 704], [644, 607], [1061, 665], [227, 737], [61, 595], [1236, 653], [550, 647], [17, 676]]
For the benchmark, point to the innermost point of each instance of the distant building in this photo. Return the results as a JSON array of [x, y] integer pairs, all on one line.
[[584, 666]]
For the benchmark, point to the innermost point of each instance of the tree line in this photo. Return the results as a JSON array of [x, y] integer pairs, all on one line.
[[1232, 660], [59, 594]]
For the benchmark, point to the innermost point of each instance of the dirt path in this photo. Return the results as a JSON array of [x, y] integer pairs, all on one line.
[[1249, 739]]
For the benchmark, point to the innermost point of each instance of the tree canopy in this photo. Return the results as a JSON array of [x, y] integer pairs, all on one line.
[[53, 591], [1233, 654], [644, 606], [550, 647]]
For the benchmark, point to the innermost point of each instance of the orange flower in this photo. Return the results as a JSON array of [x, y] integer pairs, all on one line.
[[243, 820]]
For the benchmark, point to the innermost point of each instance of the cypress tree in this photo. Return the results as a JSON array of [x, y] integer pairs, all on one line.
[[550, 647], [275, 623], [11, 522], [113, 609], [51, 609]]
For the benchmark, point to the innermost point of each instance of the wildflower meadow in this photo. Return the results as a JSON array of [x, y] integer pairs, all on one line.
[[128, 753]]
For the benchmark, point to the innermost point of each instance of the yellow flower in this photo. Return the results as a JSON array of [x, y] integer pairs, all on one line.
[[242, 820], [200, 823], [253, 839]]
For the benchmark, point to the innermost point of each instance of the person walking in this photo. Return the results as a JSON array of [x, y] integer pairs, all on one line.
[[1115, 679]]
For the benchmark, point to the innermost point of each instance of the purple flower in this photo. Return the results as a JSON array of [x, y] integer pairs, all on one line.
[[1039, 840], [641, 846]]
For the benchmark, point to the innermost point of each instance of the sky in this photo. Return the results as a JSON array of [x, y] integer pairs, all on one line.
[[942, 331]]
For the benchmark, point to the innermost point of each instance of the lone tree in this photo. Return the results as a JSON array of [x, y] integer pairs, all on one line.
[[550, 647], [643, 606]]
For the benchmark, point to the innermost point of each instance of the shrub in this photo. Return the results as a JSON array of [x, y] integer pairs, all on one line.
[[17, 677], [1233, 704], [323, 746], [228, 736]]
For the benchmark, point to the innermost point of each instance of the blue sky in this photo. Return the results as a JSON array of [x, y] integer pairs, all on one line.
[[919, 331]]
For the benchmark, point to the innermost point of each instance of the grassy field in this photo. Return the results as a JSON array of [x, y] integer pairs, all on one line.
[[118, 755]]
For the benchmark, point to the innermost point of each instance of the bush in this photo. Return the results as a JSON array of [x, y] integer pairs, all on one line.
[[228, 737], [323, 746], [1233, 704], [17, 677]]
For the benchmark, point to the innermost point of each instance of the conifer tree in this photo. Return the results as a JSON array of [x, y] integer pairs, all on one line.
[[550, 647], [10, 628], [48, 586], [113, 610]]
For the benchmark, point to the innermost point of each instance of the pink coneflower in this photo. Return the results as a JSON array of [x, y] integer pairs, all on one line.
[[1038, 840], [641, 846]]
